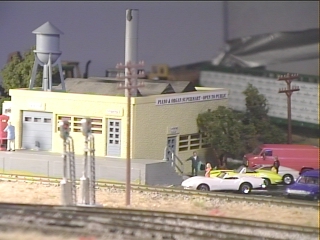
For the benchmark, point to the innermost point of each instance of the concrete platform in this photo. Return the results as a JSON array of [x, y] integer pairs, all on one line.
[[41, 163]]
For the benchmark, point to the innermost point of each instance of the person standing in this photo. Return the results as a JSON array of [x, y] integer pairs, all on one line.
[[195, 161], [208, 169], [10, 137], [276, 165]]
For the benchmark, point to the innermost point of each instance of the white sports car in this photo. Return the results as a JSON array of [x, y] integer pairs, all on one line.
[[289, 175], [224, 182]]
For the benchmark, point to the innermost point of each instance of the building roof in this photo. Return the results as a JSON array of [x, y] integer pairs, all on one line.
[[152, 88], [47, 28], [110, 86], [269, 49]]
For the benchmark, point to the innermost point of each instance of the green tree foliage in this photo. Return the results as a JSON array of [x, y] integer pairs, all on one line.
[[256, 106], [257, 114], [17, 73], [225, 131]]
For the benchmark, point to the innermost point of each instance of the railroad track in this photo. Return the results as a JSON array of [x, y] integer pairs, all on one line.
[[172, 190], [109, 223]]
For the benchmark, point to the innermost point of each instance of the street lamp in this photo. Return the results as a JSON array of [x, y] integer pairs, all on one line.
[[130, 77]]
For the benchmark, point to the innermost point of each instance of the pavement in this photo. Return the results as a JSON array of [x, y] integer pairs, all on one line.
[[50, 164]]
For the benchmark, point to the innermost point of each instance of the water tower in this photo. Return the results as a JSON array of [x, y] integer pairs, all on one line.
[[47, 54]]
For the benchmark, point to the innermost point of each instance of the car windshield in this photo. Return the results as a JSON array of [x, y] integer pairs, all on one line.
[[221, 175], [248, 170], [238, 169], [259, 167], [308, 180], [257, 151]]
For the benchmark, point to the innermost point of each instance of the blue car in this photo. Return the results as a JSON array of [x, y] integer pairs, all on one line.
[[306, 186]]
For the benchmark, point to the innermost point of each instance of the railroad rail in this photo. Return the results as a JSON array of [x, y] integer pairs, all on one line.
[[143, 224], [171, 190]]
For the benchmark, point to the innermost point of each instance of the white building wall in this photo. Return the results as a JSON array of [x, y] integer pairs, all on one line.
[[304, 103]]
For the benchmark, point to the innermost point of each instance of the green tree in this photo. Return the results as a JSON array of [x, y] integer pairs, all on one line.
[[225, 131], [257, 115], [256, 106], [17, 72]]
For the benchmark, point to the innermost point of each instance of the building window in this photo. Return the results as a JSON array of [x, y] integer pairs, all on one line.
[[61, 118], [37, 119], [192, 142], [27, 119], [75, 123], [183, 143], [47, 120]]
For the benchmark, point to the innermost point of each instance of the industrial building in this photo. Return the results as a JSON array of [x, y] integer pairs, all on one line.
[[164, 113]]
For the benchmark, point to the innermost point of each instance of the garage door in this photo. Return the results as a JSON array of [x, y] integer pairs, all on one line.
[[37, 130]]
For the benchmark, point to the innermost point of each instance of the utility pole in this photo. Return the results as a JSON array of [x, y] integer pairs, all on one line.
[[288, 91], [130, 77]]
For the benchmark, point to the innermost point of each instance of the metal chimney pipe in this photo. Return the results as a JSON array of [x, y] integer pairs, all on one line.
[[131, 48]]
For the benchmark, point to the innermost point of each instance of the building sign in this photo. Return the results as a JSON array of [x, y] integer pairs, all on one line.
[[189, 98], [37, 106], [173, 130], [114, 112]]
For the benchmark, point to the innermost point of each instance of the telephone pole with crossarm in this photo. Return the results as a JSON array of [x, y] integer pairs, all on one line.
[[130, 77], [288, 91]]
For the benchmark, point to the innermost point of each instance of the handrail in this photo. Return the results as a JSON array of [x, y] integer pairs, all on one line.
[[174, 157]]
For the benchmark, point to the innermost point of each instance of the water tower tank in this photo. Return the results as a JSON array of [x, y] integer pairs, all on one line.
[[47, 54], [47, 42]]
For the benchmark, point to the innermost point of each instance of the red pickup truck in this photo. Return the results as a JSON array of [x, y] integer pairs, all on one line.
[[294, 156]]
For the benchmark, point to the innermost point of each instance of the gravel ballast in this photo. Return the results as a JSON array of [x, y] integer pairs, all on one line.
[[35, 193]]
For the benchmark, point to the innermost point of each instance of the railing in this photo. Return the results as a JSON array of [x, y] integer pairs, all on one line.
[[169, 155]]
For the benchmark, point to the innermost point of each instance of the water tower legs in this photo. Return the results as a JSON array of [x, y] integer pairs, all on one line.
[[63, 86], [47, 74], [34, 72]]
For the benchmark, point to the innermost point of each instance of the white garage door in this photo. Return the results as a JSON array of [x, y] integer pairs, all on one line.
[[37, 130]]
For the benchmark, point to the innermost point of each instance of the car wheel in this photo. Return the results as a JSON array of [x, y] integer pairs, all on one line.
[[203, 187], [267, 182], [245, 188], [287, 179]]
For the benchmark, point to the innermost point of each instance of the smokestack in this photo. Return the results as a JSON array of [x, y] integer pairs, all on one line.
[[131, 46]]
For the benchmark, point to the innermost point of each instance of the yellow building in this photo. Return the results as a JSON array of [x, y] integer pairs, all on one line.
[[163, 114]]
